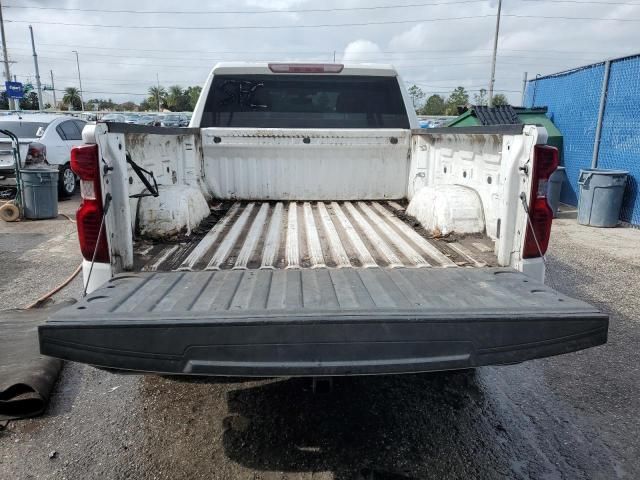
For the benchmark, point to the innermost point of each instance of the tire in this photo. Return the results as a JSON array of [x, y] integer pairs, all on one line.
[[66, 182], [9, 212]]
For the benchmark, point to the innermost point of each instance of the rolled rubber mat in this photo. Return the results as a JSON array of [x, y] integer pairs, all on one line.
[[26, 377]]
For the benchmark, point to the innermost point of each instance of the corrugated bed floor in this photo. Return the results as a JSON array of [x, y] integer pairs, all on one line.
[[278, 235]]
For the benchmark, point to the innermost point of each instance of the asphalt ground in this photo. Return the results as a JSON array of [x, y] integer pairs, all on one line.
[[568, 417]]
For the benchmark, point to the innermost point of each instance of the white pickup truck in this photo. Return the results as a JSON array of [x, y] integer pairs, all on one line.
[[303, 225]]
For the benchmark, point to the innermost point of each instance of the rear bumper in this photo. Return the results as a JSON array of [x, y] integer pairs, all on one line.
[[346, 346]]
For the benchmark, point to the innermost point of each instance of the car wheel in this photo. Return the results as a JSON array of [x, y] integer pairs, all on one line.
[[66, 181]]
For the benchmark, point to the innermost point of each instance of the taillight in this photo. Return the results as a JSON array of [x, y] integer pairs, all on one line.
[[36, 153], [545, 162], [86, 165], [306, 67]]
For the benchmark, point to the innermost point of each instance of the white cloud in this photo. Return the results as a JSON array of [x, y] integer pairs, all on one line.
[[361, 51]]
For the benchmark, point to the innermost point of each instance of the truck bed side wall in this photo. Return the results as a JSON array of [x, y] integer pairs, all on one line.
[[489, 163], [174, 159]]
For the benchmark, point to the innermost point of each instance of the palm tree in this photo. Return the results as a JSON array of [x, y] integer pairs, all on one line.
[[173, 99], [72, 98], [157, 95]]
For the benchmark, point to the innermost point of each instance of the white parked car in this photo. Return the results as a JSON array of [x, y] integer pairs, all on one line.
[[57, 133]]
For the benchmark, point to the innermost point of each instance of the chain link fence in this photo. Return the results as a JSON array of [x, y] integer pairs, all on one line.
[[573, 101]]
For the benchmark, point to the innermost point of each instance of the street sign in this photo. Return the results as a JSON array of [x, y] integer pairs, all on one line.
[[14, 89]]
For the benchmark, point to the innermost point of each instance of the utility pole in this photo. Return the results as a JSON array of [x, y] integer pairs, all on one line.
[[53, 89], [35, 63], [79, 80], [158, 91], [334, 56], [495, 53], [524, 88], [7, 73]]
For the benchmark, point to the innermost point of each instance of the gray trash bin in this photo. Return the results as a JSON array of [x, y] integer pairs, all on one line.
[[554, 187], [600, 198], [40, 193]]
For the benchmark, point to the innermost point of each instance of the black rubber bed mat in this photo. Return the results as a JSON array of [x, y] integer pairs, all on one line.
[[26, 376]]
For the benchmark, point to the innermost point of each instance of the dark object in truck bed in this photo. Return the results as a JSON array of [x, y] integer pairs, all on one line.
[[313, 322]]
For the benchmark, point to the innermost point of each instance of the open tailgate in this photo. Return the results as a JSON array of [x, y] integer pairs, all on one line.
[[313, 322]]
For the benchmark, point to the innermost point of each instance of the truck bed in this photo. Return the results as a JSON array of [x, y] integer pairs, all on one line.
[[290, 235], [318, 288]]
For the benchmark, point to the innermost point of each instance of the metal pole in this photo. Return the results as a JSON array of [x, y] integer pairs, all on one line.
[[7, 73], [79, 80], [524, 88], [495, 53], [603, 103], [16, 102], [158, 92], [53, 89], [35, 64]]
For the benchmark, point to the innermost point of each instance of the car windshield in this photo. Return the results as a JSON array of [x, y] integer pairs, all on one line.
[[22, 129], [112, 116], [172, 117], [303, 101]]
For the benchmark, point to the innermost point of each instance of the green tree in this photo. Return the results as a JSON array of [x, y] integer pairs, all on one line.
[[30, 101], [433, 106], [92, 104], [481, 98], [174, 97], [193, 93], [500, 99], [128, 107], [157, 97], [416, 94], [100, 104], [458, 98], [71, 98], [178, 99], [146, 105]]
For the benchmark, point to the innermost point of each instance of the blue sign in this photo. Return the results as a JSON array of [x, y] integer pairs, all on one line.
[[14, 89]]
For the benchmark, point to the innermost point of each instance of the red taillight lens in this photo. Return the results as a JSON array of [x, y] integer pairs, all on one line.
[[306, 67], [89, 217], [545, 162], [85, 164]]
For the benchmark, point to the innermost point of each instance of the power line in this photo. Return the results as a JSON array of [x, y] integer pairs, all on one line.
[[250, 12], [319, 25], [106, 93], [399, 64], [586, 2], [329, 50], [556, 17], [398, 53], [251, 27]]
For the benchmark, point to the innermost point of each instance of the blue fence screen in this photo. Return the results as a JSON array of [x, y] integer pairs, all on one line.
[[573, 101]]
